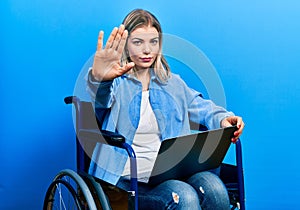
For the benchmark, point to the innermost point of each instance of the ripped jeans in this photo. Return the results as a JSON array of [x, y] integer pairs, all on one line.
[[203, 190]]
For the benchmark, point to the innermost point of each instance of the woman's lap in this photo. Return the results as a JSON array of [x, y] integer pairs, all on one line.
[[203, 190]]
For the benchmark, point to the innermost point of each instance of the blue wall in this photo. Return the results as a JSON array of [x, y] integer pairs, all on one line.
[[254, 46]]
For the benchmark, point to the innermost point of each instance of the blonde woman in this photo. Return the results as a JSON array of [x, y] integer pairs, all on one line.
[[135, 94]]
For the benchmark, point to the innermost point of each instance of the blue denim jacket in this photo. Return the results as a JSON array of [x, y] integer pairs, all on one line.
[[174, 105]]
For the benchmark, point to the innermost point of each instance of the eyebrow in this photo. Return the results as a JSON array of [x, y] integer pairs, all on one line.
[[140, 39]]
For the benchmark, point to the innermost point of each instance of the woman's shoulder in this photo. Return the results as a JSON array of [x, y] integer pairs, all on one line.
[[181, 85], [176, 79], [176, 76]]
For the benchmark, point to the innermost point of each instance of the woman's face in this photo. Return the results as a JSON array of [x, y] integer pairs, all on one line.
[[143, 46]]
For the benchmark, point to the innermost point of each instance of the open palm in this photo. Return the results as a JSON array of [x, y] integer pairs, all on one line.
[[106, 64]]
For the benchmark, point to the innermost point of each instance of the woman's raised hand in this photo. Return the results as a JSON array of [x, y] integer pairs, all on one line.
[[106, 64]]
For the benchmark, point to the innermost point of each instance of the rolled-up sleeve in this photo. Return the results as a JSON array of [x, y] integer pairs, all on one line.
[[100, 92], [206, 112]]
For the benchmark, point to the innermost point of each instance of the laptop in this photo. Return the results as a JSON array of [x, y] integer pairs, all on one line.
[[181, 157]]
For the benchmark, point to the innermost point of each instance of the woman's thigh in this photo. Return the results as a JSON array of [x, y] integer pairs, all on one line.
[[203, 190], [211, 191], [171, 194]]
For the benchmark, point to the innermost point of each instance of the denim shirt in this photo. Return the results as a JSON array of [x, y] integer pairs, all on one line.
[[118, 102]]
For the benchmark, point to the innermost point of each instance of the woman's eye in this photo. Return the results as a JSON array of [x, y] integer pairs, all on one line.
[[137, 43], [154, 41]]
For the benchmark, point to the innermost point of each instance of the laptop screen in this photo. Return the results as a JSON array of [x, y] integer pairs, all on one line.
[[181, 157]]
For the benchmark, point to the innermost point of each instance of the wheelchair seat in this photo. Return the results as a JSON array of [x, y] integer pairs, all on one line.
[[86, 192]]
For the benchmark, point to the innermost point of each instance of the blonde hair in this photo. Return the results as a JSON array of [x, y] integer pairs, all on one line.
[[138, 18]]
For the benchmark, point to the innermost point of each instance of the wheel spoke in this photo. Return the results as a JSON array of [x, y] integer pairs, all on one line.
[[69, 191], [61, 200]]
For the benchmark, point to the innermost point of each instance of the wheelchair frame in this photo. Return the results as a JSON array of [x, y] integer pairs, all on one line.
[[87, 193]]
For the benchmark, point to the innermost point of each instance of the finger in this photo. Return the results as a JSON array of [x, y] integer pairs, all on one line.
[[240, 125], [239, 132], [233, 120], [234, 140], [127, 67], [121, 29], [100, 41], [225, 123], [123, 41], [236, 136], [115, 44], [118, 37], [239, 122], [111, 38]]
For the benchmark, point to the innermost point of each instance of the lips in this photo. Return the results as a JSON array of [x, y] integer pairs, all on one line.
[[146, 59]]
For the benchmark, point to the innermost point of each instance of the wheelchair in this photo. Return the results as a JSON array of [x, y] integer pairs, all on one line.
[[79, 190]]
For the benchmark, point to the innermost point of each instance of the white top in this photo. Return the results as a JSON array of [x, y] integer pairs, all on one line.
[[146, 142]]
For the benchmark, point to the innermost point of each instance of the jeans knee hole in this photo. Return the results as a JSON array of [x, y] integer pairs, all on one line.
[[174, 201], [201, 190]]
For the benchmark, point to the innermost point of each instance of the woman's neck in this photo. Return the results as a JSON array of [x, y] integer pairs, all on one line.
[[143, 75], [140, 73]]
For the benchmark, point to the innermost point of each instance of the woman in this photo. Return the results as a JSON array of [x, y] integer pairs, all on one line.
[[136, 95]]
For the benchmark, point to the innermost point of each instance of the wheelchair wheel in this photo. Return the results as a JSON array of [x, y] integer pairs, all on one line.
[[100, 198], [68, 191]]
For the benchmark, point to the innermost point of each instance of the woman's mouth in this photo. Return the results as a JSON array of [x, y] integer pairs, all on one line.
[[146, 59]]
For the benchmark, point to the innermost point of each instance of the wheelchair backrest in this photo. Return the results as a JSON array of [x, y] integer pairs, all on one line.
[[85, 118]]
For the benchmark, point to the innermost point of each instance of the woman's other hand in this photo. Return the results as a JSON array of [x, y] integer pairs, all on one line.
[[234, 120]]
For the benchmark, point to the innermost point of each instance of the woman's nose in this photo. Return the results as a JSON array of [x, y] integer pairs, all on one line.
[[147, 49]]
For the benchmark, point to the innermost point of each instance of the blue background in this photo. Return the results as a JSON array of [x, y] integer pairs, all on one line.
[[254, 46]]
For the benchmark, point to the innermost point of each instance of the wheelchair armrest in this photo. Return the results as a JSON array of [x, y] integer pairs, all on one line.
[[94, 134], [112, 138], [106, 137], [71, 99]]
